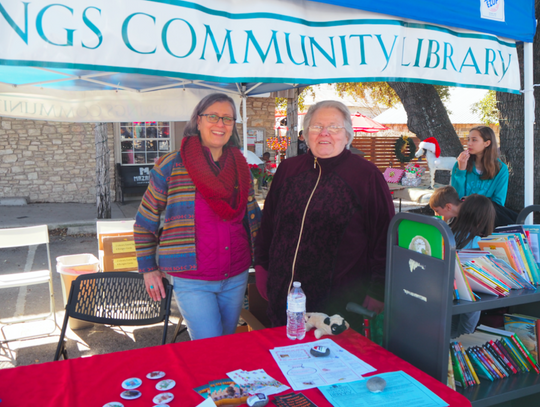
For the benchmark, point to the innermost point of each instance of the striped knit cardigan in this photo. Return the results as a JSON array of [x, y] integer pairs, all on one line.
[[172, 190]]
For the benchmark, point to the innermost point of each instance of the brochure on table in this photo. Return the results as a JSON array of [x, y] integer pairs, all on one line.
[[401, 390], [305, 371]]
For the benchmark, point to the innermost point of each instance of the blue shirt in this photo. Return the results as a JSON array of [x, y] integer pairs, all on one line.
[[473, 244], [468, 183]]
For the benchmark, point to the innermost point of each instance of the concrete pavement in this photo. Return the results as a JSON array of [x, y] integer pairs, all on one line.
[[63, 215], [72, 229]]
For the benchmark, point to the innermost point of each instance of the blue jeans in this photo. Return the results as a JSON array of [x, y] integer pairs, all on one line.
[[210, 308]]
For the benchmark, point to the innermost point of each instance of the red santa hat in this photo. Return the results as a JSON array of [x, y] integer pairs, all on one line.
[[434, 148]]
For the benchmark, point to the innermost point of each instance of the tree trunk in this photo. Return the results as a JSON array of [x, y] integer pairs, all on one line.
[[292, 123], [427, 116], [103, 189], [512, 129]]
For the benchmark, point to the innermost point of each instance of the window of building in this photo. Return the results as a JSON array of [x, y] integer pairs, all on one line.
[[144, 142]]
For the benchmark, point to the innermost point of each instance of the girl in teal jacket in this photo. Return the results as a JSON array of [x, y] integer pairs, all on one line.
[[478, 169]]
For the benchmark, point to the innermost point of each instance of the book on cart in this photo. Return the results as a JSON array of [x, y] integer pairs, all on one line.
[[533, 234], [518, 234], [526, 328], [462, 286], [482, 281], [513, 340], [485, 273], [503, 249]]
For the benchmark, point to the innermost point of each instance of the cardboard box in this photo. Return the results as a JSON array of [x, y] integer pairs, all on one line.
[[118, 245], [120, 262], [102, 236]]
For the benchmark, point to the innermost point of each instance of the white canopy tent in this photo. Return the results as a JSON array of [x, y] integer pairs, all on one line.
[[98, 61]]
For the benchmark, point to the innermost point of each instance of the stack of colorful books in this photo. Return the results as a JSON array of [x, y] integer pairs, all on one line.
[[482, 272], [489, 353], [509, 259], [518, 246]]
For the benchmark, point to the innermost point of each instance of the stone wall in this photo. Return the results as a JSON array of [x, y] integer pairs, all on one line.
[[49, 161], [261, 113], [46, 161]]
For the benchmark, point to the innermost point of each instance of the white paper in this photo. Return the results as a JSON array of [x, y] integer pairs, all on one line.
[[259, 149], [305, 371], [257, 381], [207, 403]]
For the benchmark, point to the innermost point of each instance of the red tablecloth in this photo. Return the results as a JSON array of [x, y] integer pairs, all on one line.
[[96, 380]]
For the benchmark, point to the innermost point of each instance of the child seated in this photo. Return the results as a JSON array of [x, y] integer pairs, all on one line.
[[445, 202], [475, 219]]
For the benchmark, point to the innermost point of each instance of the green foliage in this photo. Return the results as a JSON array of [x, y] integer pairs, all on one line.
[[379, 92], [487, 108], [376, 93], [281, 103]]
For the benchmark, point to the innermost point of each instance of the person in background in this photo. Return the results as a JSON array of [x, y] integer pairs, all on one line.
[[302, 146], [267, 167], [476, 219], [210, 223], [479, 170], [445, 202], [325, 222]]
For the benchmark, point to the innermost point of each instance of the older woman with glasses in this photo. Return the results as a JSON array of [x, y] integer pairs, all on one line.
[[324, 223], [210, 223]]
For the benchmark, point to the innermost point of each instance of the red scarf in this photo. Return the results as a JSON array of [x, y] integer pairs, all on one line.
[[226, 191]]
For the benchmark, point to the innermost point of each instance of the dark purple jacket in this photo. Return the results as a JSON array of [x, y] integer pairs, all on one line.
[[342, 253]]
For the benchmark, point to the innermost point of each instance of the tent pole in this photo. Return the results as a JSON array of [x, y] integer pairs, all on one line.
[[244, 119], [528, 90]]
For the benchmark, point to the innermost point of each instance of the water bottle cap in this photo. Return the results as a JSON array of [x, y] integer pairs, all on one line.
[[297, 284]]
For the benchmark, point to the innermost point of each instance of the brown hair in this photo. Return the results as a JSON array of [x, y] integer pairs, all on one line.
[[443, 196], [476, 218], [491, 153]]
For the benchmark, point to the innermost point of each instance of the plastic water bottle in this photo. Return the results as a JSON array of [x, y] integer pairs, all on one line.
[[296, 312]]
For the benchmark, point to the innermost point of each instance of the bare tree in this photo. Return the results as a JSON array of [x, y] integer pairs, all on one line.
[[103, 189]]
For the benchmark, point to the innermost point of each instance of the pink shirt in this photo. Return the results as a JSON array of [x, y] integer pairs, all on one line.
[[222, 247]]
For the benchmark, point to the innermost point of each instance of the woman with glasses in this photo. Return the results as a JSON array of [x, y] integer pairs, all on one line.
[[211, 218], [324, 223]]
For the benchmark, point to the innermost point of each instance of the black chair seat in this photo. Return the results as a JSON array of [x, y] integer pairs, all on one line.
[[116, 298]]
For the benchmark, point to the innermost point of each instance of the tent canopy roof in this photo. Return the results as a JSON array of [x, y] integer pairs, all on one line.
[[515, 19], [88, 80]]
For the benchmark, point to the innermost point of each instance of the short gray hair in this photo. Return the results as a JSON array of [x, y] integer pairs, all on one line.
[[325, 104]]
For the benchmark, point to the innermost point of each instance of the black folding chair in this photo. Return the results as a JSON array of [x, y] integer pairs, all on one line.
[[367, 314], [525, 212], [116, 298]]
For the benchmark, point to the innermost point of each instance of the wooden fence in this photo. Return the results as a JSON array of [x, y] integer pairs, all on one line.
[[380, 150]]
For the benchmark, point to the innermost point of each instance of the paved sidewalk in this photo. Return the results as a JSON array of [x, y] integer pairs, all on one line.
[[81, 218], [76, 217]]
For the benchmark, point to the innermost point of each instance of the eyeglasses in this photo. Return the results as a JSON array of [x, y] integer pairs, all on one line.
[[214, 118], [330, 129]]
